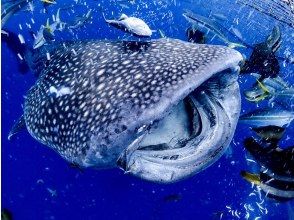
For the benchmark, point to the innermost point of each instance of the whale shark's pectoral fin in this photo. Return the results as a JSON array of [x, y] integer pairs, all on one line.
[[17, 127]]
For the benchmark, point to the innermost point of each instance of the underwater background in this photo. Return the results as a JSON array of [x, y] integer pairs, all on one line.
[[38, 184]]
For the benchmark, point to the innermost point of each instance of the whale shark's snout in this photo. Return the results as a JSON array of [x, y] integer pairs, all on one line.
[[161, 110]]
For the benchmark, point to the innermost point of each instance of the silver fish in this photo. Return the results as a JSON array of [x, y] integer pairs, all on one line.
[[81, 21], [202, 21], [274, 89], [46, 33], [161, 110], [132, 25], [267, 117]]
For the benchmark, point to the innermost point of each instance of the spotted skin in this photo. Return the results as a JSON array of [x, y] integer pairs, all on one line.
[[93, 95]]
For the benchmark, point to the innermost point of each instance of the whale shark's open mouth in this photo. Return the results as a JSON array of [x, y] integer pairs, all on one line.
[[192, 136]]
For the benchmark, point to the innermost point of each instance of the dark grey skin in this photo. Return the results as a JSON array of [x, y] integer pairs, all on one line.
[[280, 162]]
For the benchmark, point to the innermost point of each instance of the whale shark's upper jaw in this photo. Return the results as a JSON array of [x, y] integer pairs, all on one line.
[[143, 105]]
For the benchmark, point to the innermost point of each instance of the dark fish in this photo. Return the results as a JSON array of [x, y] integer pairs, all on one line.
[[99, 103], [278, 161], [195, 36], [263, 59], [273, 186], [210, 25], [81, 21], [6, 214], [276, 176], [270, 133]]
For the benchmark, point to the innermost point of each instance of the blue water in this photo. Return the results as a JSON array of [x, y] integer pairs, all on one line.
[[29, 169]]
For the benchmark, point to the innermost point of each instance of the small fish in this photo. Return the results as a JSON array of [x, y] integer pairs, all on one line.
[[210, 25], [286, 97], [219, 16], [46, 33], [52, 192], [272, 158], [258, 93], [132, 25], [274, 83], [194, 35], [124, 6], [173, 198], [81, 21], [275, 89], [266, 117], [47, 3], [270, 133], [276, 188], [263, 59], [269, 88]]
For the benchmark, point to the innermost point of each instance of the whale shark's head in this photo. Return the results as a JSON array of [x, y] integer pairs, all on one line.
[[161, 110]]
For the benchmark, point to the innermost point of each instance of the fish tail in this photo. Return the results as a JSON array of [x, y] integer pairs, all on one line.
[[263, 87], [234, 45], [251, 177]]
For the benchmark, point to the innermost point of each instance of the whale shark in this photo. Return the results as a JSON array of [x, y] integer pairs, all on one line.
[[161, 110]]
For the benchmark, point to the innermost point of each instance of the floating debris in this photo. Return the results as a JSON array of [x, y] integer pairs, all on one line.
[[21, 39]]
